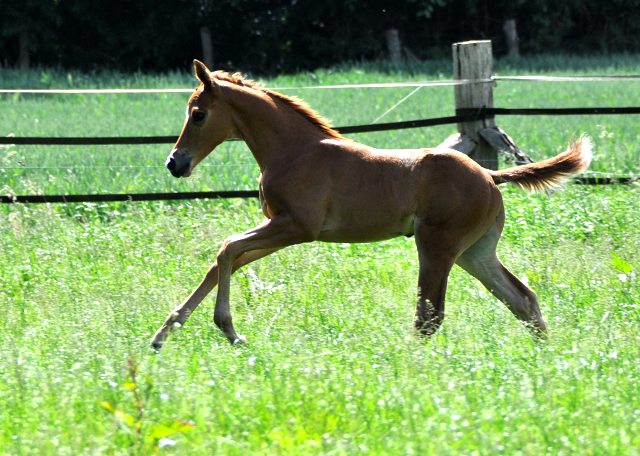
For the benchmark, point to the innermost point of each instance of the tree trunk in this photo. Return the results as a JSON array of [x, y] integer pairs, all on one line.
[[24, 49], [393, 45], [207, 46], [511, 36]]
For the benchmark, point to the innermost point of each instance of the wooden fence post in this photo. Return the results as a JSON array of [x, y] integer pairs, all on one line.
[[480, 139], [473, 60]]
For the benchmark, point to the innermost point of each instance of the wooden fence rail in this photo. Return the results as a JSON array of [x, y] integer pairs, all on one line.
[[478, 136]]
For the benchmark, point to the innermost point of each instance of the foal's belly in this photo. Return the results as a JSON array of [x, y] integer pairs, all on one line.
[[365, 229]]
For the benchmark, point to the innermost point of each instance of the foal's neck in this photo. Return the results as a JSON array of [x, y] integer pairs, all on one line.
[[271, 129]]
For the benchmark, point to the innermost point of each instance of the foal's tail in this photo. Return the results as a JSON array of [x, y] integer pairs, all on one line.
[[550, 172]]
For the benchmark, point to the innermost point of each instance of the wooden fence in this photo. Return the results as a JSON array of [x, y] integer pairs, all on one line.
[[478, 135]]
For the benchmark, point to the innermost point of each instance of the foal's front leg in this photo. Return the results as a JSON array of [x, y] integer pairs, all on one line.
[[275, 233], [180, 314]]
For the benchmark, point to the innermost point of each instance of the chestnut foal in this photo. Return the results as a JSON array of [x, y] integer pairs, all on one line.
[[316, 185]]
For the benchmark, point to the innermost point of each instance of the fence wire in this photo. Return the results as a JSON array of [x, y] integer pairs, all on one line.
[[462, 115]]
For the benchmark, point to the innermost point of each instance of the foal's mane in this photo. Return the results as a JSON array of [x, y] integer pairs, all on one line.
[[295, 103]]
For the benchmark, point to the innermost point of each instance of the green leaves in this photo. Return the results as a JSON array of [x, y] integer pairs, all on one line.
[[152, 434], [168, 428], [130, 415], [108, 406], [124, 420], [620, 264]]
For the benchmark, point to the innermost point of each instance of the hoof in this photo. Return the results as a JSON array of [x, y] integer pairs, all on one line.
[[156, 344], [537, 331], [241, 340], [158, 339], [425, 330]]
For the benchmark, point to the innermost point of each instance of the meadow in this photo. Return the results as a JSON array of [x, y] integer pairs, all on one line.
[[332, 366]]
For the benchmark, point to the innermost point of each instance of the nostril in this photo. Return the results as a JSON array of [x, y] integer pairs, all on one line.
[[171, 164]]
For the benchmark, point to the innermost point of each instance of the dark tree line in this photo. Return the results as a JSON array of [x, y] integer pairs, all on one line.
[[267, 36]]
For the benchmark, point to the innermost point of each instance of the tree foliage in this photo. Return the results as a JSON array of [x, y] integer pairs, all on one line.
[[267, 36]]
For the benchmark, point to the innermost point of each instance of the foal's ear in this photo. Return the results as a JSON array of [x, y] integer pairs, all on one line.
[[202, 73]]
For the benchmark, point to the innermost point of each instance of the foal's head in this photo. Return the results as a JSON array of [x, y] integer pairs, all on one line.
[[208, 124]]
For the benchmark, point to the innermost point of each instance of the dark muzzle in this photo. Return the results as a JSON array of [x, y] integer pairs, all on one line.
[[177, 169]]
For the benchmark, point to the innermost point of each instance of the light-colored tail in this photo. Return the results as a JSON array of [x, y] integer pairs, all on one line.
[[550, 172]]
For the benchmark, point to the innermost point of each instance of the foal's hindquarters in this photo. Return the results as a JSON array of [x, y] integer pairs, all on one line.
[[461, 222]]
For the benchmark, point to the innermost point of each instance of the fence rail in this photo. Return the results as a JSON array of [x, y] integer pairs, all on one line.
[[102, 198], [462, 115], [129, 140], [432, 83]]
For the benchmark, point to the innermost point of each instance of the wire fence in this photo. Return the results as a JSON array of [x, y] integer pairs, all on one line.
[[462, 115], [457, 82]]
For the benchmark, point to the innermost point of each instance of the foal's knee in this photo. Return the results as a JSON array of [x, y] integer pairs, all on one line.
[[224, 254]]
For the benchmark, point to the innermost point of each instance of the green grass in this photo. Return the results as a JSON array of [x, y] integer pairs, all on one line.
[[332, 366], [331, 363]]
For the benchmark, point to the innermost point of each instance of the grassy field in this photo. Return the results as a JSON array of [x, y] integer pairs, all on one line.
[[331, 366]]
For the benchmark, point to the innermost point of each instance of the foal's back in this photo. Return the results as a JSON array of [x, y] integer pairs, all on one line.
[[378, 194]]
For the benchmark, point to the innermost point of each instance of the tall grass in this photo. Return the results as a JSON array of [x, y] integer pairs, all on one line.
[[332, 365]]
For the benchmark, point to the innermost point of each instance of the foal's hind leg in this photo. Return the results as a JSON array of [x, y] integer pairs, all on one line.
[[436, 260], [481, 261]]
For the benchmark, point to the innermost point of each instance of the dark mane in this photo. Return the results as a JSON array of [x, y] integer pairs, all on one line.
[[295, 103]]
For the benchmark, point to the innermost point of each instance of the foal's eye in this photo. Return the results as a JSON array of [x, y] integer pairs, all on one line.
[[199, 116]]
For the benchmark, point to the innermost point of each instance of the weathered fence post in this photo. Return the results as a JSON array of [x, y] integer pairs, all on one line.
[[473, 60], [480, 139]]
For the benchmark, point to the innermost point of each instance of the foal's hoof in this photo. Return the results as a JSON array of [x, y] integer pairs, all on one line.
[[241, 340], [157, 341], [425, 330], [539, 335]]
